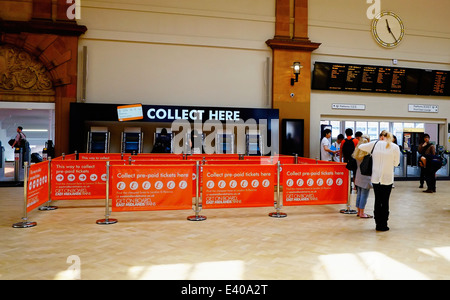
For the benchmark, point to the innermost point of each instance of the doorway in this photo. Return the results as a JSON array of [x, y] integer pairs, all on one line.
[[409, 134], [38, 122]]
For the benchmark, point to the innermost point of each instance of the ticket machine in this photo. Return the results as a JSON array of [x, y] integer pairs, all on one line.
[[132, 138], [98, 140], [254, 143], [224, 142], [163, 141]]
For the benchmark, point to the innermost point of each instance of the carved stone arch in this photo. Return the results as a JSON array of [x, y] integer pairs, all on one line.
[[51, 50], [55, 47], [23, 77]]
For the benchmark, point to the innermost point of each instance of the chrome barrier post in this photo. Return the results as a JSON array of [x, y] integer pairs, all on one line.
[[48, 207], [18, 164], [25, 223], [348, 210], [196, 207], [107, 220], [279, 204]]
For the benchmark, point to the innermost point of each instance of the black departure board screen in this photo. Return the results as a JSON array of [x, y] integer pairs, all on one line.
[[380, 79]]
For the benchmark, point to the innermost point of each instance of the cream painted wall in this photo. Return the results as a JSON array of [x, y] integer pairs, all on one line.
[[343, 29], [177, 52]]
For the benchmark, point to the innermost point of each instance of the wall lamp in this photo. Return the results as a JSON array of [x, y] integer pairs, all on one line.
[[297, 67]]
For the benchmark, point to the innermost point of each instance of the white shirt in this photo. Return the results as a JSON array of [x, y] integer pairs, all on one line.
[[325, 155], [384, 161]]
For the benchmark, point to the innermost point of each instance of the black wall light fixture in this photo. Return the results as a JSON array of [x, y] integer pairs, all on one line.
[[297, 67]]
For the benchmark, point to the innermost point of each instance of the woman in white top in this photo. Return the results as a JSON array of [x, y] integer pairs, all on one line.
[[386, 156]]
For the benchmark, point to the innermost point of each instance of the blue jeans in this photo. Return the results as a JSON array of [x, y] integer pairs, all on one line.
[[361, 197]]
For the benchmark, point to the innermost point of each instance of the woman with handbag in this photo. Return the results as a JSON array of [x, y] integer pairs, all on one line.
[[362, 182], [386, 156]]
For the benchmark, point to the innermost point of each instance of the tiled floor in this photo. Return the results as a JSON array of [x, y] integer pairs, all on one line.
[[313, 242]]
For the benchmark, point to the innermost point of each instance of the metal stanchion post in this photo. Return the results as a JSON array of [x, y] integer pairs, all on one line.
[[107, 220], [18, 164], [279, 204], [197, 208], [48, 207], [25, 223], [348, 210]]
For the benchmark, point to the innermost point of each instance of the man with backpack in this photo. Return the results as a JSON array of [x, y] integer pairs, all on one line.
[[348, 146], [346, 151], [20, 140]]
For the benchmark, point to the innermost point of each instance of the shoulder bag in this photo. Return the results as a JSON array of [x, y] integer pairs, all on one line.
[[367, 162]]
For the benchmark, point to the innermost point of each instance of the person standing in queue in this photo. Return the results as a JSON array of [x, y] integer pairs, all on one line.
[[325, 151], [427, 151], [362, 182], [386, 156]]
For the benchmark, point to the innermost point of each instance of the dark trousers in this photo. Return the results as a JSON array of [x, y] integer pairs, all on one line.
[[381, 210], [430, 177], [422, 176]]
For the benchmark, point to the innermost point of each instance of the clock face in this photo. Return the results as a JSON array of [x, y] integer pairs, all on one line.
[[388, 29]]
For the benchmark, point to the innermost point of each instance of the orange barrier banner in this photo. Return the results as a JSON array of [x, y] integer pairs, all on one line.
[[213, 156], [227, 186], [283, 159], [157, 156], [172, 162], [38, 184], [315, 184], [230, 161], [103, 156], [78, 180], [144, 188]]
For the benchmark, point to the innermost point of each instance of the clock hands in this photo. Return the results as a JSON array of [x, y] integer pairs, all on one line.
[[390, 31]]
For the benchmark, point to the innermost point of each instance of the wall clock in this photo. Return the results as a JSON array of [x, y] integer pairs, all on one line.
[[388, 29]]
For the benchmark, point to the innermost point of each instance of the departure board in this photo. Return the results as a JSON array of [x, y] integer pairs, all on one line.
[[380, 79]]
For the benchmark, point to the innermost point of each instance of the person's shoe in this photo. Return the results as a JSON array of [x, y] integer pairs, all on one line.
[[384, 228], [428, 191]]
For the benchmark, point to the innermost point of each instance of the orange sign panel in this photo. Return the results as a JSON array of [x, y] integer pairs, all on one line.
[[156, 187], [315, 184], [226, 186], [78, 180], [38, 183]]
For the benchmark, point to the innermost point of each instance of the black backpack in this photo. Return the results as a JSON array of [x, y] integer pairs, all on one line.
[[347, 149]]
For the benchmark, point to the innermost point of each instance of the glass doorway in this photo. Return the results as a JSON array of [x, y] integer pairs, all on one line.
[[409, 135], [38, 122]]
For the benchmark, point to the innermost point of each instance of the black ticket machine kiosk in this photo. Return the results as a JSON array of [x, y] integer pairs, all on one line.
[[254, 143], [163, 141], [98, 140], [132, 138], [225, 142]]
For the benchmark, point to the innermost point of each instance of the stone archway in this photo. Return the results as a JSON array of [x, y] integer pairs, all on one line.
[[23, 77], [44, 69]]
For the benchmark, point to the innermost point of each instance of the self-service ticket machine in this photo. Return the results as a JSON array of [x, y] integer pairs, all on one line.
[[194, 142], [163, 141], [132, 140], [225, 142], [98, 140], [254, 143]]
